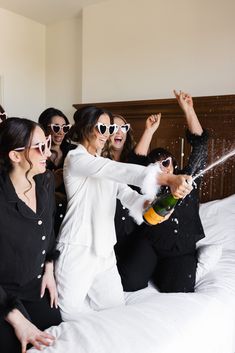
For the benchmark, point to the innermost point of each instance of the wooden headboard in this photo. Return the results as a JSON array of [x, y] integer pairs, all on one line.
[[216, 114]]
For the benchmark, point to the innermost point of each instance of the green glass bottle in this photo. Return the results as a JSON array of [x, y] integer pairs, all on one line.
[[159, 208]]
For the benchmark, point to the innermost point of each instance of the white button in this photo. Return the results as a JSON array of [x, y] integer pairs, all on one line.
[[60, 205], [39, 222], [43, 238], [123, 218], [39, 276], [123, 207], [61, 215], [175, 231], [43, 252], [42, 265]]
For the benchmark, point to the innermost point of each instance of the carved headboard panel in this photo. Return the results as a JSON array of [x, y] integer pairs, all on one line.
[[216, 113]]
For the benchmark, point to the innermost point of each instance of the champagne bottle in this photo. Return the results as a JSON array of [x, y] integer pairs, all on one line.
[[159, 208]]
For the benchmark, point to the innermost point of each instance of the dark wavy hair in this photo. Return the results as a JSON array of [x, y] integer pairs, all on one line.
[[15, 133], [128, 146], [85, 120]]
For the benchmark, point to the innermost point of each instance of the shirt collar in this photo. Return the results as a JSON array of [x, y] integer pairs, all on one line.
[[11, 196]]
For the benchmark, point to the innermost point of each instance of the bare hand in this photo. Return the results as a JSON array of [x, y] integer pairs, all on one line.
[[152, 122], [27, 333], [48, 281], [184, 99], [180, 185]]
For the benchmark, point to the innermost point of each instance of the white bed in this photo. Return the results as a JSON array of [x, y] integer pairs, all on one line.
[[152, 322]]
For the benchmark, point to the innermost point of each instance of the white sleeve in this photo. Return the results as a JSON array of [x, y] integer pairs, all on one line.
[[87, 165], [132, 200]]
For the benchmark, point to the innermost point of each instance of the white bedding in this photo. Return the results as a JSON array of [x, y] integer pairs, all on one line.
[[152, 322]]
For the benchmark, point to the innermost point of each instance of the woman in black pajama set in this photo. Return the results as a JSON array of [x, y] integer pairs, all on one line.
[[166, 253], [28, 296]]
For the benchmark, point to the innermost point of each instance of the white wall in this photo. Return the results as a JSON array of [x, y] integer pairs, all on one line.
[[142, 49], [119, 50], [64, 65], [22, 65], [40, 66]]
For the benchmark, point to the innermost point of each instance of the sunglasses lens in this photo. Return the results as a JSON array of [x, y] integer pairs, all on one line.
[[49, 142], [101, 128], [55, 128], [3, 116], [42, 148], [125, 128], [112, 129], [66, 128], [166, 163]]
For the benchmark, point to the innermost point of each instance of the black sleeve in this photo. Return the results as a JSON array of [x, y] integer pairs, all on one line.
[[52, 253], [198, 156], [138, 159], [8, 303]]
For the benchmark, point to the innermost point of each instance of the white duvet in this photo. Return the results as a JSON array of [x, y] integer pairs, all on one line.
[[152, 322]]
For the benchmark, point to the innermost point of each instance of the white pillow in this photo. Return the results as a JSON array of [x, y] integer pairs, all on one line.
[[218, 219], [208, 257]]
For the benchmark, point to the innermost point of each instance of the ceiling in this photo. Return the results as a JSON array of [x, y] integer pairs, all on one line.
[[47, 11]]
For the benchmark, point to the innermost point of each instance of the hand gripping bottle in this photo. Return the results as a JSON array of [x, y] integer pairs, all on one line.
[[159, 208]]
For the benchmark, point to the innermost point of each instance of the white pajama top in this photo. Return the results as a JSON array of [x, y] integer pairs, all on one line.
[[92, 185]]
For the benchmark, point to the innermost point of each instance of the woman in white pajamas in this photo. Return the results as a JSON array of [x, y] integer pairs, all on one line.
[[86, 267]]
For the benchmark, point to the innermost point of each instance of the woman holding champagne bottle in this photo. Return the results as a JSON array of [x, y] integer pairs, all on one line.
[[87, 268], [166, 252]]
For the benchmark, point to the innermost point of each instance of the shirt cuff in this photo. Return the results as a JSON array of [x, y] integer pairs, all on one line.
[[149, 186], [9, 303], [52, 255]]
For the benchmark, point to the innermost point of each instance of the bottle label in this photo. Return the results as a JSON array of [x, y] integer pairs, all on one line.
[[151, 217]]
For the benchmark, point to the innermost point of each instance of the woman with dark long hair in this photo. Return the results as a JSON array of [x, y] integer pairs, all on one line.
[[55, 123], [28, 294]]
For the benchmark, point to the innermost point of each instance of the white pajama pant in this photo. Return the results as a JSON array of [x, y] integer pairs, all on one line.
[[81, 274]]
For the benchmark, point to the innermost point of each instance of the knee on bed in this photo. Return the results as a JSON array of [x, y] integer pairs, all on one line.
[[133, 282]]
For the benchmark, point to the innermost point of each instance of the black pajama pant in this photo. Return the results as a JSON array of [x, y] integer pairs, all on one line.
[[139, 262]]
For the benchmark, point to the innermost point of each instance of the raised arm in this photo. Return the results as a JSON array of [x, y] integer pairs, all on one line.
[[185, 102], [196, 135], [151, 125]]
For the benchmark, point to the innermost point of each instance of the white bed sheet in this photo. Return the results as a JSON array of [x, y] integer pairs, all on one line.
[[152, 322]]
